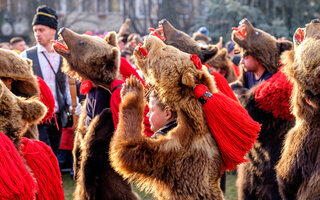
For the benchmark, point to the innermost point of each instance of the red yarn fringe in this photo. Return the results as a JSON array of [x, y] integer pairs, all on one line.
[[16, 181], [273, 96], [223, 85], [44, 166], [230, 124], [46, 97]]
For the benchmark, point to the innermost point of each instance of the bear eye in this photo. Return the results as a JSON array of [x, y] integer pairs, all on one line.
[[257, 33], [163, 48], [81, 42]]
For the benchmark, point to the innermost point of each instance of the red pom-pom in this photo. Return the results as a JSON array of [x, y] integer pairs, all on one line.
[[46, 97], [230, 124], [196, 60], [86, 87], [273, 96]]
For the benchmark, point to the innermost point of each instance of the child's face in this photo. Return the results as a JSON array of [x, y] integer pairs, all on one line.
[[157, 117]]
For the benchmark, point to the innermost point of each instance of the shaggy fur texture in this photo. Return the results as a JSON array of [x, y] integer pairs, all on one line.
[[100, 66], [24, 82], [261, 45], [185, 163], [222, 63], [185, 43], [17, 113], [97, 60], [209, 55], [20, 70], [257, 178], [298, 170]]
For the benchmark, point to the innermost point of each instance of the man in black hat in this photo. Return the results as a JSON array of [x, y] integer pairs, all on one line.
[[47, 65]]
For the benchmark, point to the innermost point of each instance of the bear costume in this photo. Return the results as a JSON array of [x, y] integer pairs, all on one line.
[[16, 113], [187, 162], [268, 104], [95, 62], [298, 170], [26, 84], [209, 54]]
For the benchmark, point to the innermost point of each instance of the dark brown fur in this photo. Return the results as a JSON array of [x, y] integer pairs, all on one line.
[[222, 62], [210, 54], [298, 170], [17, 113], [98, 60], [185, 43], [257, 178], [184, 164], [262, 46], [24, 83]]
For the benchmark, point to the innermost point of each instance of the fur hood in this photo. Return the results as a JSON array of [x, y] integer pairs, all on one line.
[[261, 45], [20, 70]]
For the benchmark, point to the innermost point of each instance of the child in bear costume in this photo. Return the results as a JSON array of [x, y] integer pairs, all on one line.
[[187, 162]]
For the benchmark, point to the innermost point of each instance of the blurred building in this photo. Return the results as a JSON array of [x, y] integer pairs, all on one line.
[[93, 15]]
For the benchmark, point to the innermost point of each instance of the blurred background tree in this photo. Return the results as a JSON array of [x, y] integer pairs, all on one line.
[[277, 17]]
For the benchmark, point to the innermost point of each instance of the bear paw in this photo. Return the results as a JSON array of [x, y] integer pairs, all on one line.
[[132, 85]]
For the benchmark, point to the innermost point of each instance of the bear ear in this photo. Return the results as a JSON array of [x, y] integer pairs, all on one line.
[[209, 52], [111, 38], [223, 52], [285, 45], [33, 110], [188, 78]]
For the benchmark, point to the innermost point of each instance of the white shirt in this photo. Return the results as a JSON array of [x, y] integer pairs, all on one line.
[[47, 73]]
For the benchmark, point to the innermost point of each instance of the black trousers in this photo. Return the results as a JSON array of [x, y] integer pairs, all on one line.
[[50, 134]]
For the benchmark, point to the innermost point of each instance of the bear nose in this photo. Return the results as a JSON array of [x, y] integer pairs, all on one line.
[[61, 30]]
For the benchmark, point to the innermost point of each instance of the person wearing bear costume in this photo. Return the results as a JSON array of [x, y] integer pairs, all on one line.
[[96, 62], [298, 170], [268, 104], [188, 161]]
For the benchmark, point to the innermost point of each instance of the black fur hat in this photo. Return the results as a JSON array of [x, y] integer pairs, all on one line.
[[46, 16]]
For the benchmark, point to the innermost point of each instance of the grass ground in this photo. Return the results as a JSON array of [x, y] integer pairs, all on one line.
[[231, 190]]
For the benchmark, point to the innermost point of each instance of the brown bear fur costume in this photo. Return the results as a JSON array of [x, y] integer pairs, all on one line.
[[184, 164], [209, 55], [257, 178], [184, 42], [24, 82], [298, 170], [95, 59], [16, 113]]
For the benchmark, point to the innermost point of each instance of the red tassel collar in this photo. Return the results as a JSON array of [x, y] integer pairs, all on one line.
[[86, 87]]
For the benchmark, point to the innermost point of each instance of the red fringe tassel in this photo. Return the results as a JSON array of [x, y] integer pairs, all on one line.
[[46, 97], [16, 181], [44, 166], [230, 124]]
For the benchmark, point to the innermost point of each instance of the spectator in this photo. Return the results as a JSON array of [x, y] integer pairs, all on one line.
[[47, 65], [232, 54], [18, 44]]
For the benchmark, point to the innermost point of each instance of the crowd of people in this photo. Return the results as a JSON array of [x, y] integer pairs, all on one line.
[[47, 64]]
